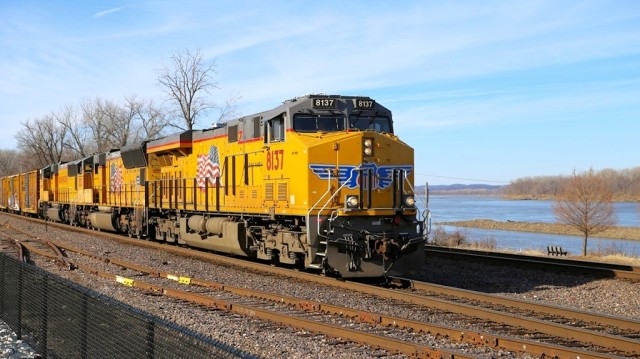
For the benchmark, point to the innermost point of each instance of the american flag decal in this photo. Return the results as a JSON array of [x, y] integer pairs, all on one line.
[[116, 178], [208, 168]]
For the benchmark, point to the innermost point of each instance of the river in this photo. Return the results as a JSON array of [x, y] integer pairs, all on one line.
[[461, 208]]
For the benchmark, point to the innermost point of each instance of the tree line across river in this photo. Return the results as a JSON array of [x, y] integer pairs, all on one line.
[[623, 184]]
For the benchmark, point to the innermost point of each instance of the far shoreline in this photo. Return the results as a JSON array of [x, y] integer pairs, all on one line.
[[616, 232], [462, 193]]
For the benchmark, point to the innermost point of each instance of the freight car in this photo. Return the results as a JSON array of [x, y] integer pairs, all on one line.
[[319, 182]]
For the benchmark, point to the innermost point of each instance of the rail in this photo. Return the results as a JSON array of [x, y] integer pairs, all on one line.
[[60, 319], [506, 343]]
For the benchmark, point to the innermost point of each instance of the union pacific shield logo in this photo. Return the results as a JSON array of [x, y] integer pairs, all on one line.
[[350, 175]]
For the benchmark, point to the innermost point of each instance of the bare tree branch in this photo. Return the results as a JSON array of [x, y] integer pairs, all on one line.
[[43, 139], [8, 162], [586, 204], [77, 137], [230, 110], [186, 81], [150, 120], [94, 118]]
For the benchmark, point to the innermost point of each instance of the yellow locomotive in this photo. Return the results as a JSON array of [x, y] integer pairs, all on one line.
[[319, 182]]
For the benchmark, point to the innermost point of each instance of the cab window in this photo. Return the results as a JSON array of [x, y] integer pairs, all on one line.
[[374, 123], [274, 130], [318, 123], [232, 133]]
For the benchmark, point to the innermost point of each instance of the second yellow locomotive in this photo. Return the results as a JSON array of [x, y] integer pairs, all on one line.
[[319, 182]]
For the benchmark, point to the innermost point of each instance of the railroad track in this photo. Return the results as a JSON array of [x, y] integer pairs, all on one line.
[[287, 311], [24, 249], [601, 269], [12, 248], [372, 328], [558, 324], [556, 346]]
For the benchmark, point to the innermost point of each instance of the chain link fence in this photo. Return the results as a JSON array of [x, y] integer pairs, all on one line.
[[60, 319]]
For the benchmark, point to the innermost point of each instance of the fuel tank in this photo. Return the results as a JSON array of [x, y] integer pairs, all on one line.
[[102, 220]]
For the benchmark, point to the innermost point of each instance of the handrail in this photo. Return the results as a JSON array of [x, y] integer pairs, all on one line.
[[317, 202], [321, 197], [426, 214], [334, 194]]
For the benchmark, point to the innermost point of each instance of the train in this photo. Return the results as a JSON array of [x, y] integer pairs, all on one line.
[[320, 183]]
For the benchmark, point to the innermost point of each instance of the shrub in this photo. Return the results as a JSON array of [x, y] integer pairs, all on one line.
[[443, 238], [487, 243]]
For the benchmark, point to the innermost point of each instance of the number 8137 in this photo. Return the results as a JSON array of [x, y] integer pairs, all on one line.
[[275, 160]]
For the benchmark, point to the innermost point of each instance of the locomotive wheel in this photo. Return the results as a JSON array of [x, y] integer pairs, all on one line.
[[299, 265], [275, 257]]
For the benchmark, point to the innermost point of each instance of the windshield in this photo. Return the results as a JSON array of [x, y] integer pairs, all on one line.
[[318, 123], [376, 123]]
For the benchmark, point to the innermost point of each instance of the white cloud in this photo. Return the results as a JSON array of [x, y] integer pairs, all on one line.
[[107, 12]]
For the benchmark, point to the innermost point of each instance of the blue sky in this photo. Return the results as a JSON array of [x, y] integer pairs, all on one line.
[[485, 91]]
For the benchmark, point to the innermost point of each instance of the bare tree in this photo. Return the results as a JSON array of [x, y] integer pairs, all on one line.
[[187, 80], [42, 138], [118, 122], [108, 123], [586, 204], [8, 162], [77, 136], [94, 119], [150, 119]]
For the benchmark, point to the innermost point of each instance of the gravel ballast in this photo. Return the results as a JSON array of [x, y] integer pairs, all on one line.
[[11, 347], [607, 296]]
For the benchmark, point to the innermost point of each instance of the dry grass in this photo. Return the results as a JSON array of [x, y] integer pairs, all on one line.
[[614, 258]]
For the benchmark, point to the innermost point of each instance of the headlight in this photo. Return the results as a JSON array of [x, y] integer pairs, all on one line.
[[367, 145], [352, 202], [409, 201]]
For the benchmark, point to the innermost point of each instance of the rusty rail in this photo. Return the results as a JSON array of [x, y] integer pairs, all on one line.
[[386, 343], [383, 293], [476, 338], [601, 319]]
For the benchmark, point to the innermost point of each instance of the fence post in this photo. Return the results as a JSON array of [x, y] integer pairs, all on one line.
[[84, 329], [19, 304], [2, 275], [45, 306], [150, 339]]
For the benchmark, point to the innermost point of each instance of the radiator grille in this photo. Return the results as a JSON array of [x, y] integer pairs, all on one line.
[[268, 191], [282, 191]]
